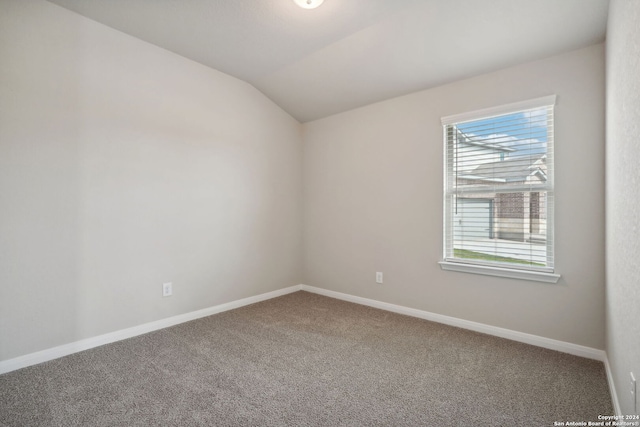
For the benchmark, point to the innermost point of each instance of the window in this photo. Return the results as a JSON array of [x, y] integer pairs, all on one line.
[[498, 197]]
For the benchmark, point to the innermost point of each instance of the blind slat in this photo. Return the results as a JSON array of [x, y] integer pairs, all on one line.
[[499, 187]]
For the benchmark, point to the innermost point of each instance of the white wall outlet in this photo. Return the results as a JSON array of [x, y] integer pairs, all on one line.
[[634, 392], [167, 289], [378, 277]]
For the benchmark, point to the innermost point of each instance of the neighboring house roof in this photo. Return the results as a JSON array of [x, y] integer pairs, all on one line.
[[513, 169], [463, 138]]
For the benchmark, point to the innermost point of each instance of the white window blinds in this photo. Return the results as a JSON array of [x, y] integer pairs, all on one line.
[[499, 186]]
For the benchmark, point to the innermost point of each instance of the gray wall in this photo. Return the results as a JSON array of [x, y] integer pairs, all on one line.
[[623, 196], [373, 202], [123, 166]]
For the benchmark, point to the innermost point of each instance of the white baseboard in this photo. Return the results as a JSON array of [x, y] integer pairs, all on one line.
[[565, 347], [74, 347], [86, 344], [612, 387], [562, 346]]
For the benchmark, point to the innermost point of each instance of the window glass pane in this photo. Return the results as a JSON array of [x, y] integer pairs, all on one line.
[[499, 190], [508, 228]]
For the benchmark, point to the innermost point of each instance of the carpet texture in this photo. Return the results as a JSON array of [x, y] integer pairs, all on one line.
[[307, 360]]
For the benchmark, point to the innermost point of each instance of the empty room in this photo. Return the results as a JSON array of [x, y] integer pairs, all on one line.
[[319, 212]]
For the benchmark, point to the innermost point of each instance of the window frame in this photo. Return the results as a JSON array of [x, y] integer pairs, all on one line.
[[546, 274]]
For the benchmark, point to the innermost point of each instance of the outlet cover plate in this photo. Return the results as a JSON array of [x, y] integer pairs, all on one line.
[[634, 391], [167, 289]]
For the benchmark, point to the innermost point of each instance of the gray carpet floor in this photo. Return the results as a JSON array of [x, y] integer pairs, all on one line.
[[307, 360]]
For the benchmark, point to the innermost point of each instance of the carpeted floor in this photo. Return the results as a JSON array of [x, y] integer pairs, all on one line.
[[308, 360]]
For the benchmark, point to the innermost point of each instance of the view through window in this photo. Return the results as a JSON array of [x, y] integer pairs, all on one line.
[[499, 187]]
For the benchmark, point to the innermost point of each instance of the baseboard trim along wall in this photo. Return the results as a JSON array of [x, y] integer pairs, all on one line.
[[86, 344], [612, 387], [564, 347], [561, 346]]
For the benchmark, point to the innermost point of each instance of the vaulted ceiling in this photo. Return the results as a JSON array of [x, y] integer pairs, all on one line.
[[349, 53]]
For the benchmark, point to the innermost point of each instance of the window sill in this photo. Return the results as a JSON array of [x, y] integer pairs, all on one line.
[[537, 276]]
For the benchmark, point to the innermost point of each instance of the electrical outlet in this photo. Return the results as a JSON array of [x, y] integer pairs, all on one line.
[[378, 277], [634, 392], [167, 289]]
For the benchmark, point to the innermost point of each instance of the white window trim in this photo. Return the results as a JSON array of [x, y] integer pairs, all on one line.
[[500, 110], [490, 270], [512, 273]]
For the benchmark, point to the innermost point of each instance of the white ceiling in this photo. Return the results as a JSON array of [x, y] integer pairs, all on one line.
[[349, 53]]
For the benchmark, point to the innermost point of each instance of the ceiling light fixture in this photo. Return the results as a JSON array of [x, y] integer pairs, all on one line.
[[308, 4]]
